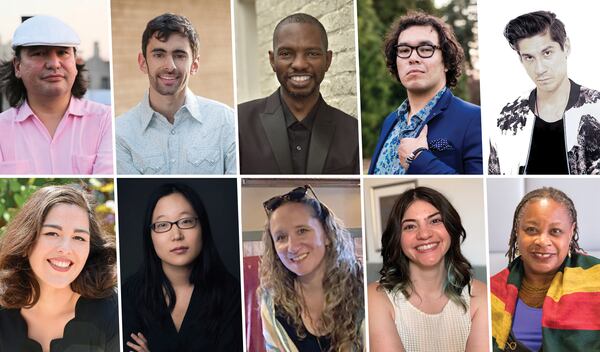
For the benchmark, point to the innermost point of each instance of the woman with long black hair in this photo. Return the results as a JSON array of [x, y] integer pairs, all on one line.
[[182, 298]]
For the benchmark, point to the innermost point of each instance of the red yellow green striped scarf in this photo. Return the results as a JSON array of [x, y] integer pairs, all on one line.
[[571, 310]]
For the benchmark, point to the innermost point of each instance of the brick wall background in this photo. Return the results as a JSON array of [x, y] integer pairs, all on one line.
[[337, 16], [212, 20]]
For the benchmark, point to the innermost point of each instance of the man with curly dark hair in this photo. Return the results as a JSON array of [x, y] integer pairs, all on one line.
[[553, 129], [432, 132]]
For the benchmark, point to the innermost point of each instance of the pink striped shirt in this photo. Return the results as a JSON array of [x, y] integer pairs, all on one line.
[[82, 143]]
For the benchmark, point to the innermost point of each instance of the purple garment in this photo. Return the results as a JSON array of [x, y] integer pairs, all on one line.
[[527, 325]]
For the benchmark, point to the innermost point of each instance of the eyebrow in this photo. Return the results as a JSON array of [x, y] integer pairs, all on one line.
[[58, 227], [539, 51], [415, 220], [428, 42], [183, 213]]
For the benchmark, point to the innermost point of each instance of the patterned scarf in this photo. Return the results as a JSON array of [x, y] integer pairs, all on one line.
[[571, 311]]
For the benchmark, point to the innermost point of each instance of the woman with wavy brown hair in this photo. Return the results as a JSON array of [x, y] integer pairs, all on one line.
[[311, 282], [58, 276], [426, 298]]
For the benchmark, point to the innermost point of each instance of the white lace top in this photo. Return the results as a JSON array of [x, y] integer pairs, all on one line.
[[421, 332]]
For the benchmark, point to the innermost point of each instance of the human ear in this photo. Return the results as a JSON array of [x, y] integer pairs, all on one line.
[[272, 60], [142, 63]]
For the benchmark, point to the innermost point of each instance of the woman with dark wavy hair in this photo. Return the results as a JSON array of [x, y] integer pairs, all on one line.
[[426, 298], [182, 298], [57, 276], [311, 283]]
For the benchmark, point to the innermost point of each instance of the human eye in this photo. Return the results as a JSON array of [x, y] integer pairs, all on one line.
[[79, 238], [302, 230], [280, 237], [284, 53], [547, 52], [437, 220], [404, 50], [530, 230], [425, 50], [527, 58], [50, 234], [314, 53], [408, 227], [161, 226], [187, 222], [556, 231], [157, 54]]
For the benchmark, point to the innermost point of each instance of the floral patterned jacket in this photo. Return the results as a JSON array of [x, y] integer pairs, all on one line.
[[510, 140]]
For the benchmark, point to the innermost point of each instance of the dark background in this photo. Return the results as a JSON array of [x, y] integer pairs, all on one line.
[[220, 200]]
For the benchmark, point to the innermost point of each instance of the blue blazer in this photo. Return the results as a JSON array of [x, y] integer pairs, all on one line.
[[454, 138]]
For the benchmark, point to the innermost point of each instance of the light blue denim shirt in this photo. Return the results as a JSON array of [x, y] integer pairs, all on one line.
[[201, 139]]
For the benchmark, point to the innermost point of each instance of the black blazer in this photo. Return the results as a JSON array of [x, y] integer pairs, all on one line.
[[264, 147]]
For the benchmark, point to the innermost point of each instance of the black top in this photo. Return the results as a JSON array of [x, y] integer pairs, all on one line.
[[310, 343], [95, 328], [196, 333], [548, 155], [299, 135]]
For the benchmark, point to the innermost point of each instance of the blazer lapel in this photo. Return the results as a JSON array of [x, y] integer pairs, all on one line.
[[320, 139], [273, 122]]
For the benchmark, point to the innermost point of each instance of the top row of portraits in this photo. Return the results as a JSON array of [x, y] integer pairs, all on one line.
[[298, 111]]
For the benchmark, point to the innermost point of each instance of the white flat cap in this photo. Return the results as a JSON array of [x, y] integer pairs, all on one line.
[[44, 30]]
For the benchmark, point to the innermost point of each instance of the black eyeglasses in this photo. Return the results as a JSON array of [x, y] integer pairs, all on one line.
[[294, 195], [184, 223], [425, 51]]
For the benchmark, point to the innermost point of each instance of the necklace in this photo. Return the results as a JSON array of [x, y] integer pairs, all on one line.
[[533, 295], [315, 326]]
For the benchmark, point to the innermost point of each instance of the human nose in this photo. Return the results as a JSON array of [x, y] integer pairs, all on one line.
[[52, 60], [169, 63], [176, 233], [414, 55], [65, 245], [423, 232], [293, 244], [540, 67], [299, 62], [543, 239]]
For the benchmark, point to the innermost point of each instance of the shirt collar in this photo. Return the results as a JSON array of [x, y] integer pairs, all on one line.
[[290, 119], [404, 108], [190, 105], [75, 108]]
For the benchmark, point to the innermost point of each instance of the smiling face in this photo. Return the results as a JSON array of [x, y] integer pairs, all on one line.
[[544, 233], [299, 239], [62, 246], [418, 75], [299, 59], [176, 247], [424, 237], [46, 71], [169, 64], [544, 60]]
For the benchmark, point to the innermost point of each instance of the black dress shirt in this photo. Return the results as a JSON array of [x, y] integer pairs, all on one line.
[[95, 328], [299, 135]]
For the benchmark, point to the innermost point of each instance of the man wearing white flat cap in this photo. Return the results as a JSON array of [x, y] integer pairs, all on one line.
[[50, 128]]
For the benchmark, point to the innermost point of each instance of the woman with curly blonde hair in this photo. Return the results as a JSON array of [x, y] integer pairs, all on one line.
[[58, 276], [311, 283]]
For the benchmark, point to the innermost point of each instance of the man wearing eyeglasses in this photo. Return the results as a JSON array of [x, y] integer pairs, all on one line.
[[554, 129], [432, 132], [293, 131]]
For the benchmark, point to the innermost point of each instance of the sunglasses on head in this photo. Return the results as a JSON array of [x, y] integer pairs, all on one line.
[[292, 196]]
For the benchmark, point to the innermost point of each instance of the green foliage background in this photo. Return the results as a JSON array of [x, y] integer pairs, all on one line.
[[14, 192], [380, 93]]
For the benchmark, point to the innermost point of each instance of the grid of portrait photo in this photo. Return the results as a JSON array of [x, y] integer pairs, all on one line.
[[299, 176]]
